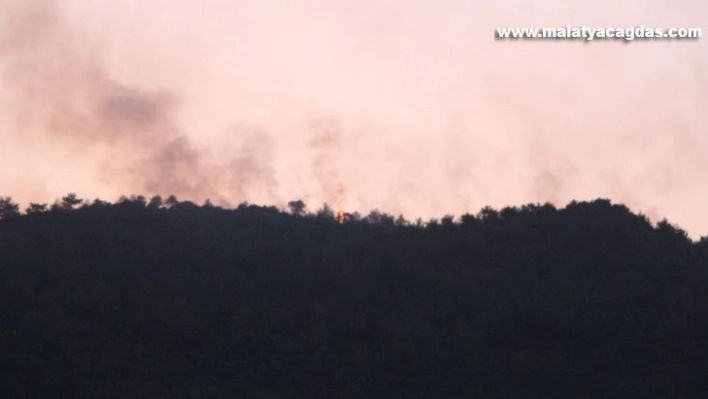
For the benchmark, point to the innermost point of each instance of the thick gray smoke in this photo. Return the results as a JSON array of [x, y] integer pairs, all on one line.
[[59, 90]]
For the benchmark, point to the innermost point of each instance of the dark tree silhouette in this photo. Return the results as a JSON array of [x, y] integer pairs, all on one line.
[[297, 208], [155, 202], [70, 201], [8, 209], [171, 201], [325, 212], [171, 299], [36, 208]]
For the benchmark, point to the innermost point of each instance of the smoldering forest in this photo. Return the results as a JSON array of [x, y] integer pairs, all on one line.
[[417, 111]]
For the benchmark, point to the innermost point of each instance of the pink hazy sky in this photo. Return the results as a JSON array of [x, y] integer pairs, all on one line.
[[410, 106]]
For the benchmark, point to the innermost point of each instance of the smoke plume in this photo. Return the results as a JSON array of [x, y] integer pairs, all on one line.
[[59, 90], [418, 110], [325, 142]]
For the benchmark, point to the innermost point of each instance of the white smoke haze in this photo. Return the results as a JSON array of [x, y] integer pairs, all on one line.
[[431, 115]]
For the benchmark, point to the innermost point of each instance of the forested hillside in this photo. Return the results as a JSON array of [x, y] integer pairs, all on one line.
[[151, 298]]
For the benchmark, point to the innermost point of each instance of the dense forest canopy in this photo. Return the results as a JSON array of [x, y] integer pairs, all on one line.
[[160, 297]]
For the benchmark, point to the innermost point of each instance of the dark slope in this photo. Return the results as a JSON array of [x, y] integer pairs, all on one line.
[[131, 300]]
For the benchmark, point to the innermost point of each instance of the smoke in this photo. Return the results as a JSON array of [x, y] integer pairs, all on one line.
[[325, 142], [59, 90], [419, 110], [250, 163]]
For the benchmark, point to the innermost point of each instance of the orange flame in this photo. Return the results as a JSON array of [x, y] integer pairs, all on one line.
[[340, 217]]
